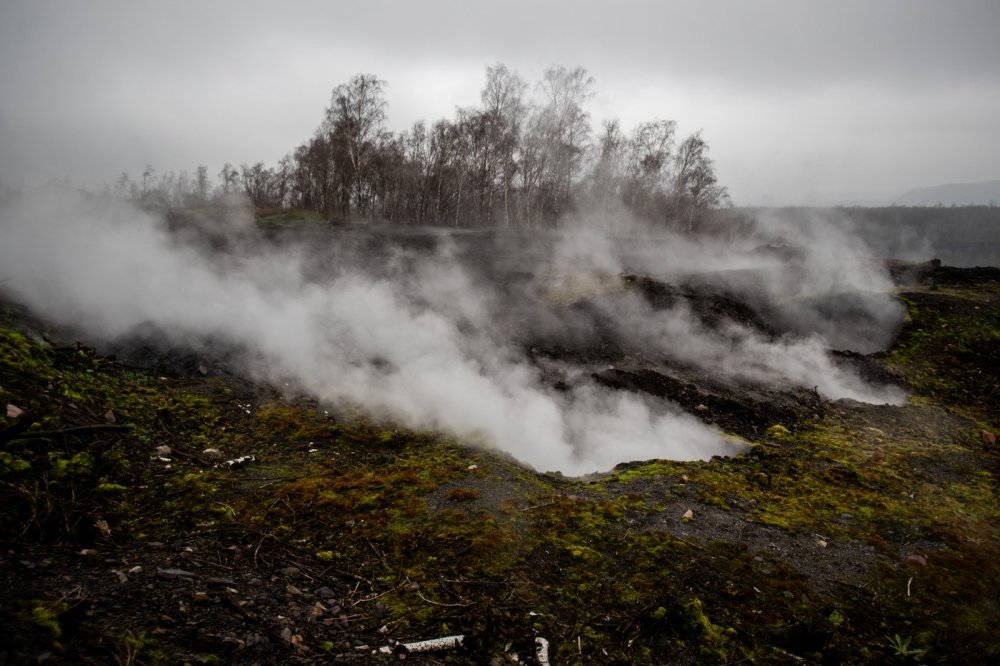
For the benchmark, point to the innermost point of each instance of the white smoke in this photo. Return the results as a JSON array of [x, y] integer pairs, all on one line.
[[415, 341], [831, 293]]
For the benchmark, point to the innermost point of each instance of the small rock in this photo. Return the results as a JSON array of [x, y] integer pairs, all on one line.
[[821, 543], [122, 578], [989, 438], [220, 582], [103, 527], [13, 411], [291, 590], [918, 559], [200, 597], [295, 640], [234, 643], [163, 451], [325, 593], [290, 572], [688, 516], [317, 610], [135, 570], [212, 454], [88, 552], [286, 634], [701, 408]]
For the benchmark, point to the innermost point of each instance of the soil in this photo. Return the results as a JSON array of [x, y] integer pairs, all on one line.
[[274, 529]]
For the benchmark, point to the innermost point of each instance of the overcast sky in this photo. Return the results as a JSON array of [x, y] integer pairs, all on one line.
[[801, 102]]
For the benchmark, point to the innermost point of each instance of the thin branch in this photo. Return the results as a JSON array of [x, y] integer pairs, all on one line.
[[443, 605]]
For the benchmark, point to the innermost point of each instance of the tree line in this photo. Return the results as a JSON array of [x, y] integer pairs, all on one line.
[[518, 159]]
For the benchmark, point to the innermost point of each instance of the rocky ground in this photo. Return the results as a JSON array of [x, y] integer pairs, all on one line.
[[177, 513]]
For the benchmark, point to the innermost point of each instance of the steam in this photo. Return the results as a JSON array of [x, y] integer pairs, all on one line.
[[414, 338], [817, 280]]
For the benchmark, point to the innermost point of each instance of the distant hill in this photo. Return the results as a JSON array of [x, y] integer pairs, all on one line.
[[960, 194]]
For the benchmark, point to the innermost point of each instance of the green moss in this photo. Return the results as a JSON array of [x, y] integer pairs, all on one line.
[[286, 217], [12, 464], [45, 614], [715, 641], [778, 432], [948, 350]]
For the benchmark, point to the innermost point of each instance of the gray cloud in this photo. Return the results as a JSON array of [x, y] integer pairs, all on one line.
[[792, 96]]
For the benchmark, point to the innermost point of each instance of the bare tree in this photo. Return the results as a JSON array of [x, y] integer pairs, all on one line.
[[355, 122], [147, 179], [228, 180], [648, 158], [694, 179], [503, 105], [201, 184], [608, 169], [256, 180], [565, 129]]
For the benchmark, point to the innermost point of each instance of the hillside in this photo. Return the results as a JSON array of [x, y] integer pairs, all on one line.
[[179, 513], [956, 194]]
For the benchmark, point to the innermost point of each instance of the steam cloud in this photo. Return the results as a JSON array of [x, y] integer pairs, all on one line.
[[415, 339]]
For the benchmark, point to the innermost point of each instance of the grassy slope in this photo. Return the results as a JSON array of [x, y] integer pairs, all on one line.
[[868, 536]]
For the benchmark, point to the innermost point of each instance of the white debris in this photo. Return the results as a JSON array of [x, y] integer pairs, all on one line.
[[239, 462], [435, 644], [542, 651]]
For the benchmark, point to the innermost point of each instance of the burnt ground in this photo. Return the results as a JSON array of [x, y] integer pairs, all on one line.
[[846, 533]]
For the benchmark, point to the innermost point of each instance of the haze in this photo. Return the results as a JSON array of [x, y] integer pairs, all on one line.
[[802, 103]]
